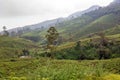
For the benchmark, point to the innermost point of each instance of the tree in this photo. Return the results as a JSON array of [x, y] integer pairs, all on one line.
[[103, 39], [51, 37], [80, 50], [78, 45], [103, 50], [5, 32], [25, 52], [4, 28]]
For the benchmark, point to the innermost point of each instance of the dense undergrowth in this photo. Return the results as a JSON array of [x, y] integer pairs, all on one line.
[[47, 69], [87, 49]]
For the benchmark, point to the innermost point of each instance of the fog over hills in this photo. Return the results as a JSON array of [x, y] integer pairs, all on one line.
[[54, 22], [82, 24]]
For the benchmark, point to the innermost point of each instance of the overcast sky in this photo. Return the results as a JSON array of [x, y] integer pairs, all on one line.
[[18, 13]]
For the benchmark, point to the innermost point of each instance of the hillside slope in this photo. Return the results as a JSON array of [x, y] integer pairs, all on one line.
[[103, 23], [12, 47], [105, 18]]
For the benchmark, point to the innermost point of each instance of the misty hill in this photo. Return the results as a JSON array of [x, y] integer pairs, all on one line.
[[80, 13], [116, 1], [92, 22], [54, 22], [102, 19]]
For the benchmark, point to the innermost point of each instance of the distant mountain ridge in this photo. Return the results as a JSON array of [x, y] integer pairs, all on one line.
[[117, 1], [80, 13], [53, 22], [92, 20], [102, 19]]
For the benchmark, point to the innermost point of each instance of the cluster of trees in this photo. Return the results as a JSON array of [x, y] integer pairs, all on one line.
[[101, 48], [89, 51]]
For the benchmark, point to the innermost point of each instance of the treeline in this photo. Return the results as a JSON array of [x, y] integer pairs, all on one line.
[[98, 48], [90, 52]]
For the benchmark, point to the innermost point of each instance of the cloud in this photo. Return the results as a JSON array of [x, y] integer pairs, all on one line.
[[42, 7]]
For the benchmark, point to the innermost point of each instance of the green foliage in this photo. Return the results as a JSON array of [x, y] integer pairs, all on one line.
[[52, 35], [32, 38], [112, 31], [47, 69], [12, 47], [105, 19], [88, 50]]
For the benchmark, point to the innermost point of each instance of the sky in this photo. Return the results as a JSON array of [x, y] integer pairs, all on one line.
[[18, 13]]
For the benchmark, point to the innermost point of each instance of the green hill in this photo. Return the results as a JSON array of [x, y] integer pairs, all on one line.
[[103, 23], [13, 46], [84, 40], [114, 30], [105, 18]]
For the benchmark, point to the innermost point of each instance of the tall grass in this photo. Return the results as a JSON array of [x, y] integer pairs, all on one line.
[[47, 69]]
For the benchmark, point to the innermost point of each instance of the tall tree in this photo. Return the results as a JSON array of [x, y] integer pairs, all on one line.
[[5, 32], [4, 28], [103, 39], [51, 37], [103, 46]]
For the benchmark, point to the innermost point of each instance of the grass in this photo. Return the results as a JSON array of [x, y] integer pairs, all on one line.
[[47, 69], [13, 46]]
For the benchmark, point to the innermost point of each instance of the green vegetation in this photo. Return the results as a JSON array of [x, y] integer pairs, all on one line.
[[42, 68], [80, 43], [104, 19], [88, 49], [47, 69], [11, 47]]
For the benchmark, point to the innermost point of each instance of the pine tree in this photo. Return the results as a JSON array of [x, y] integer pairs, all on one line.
[[51, 37]]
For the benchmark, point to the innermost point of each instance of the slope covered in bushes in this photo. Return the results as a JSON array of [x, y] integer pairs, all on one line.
[[13, 46]]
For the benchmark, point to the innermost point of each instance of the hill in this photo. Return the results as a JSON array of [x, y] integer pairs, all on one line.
[[94, 21], [48, 23], [80, 13], [11, 47], [86, 37], [101, 19]]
